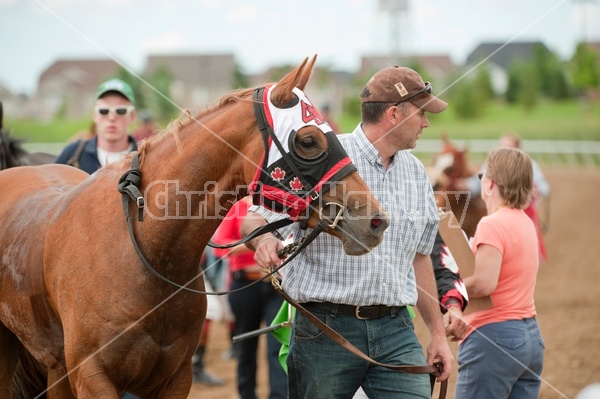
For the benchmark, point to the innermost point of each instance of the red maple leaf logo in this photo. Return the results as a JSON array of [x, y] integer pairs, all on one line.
[[277, 174], [296, 184]]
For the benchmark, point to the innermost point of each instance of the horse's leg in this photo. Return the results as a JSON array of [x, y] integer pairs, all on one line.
[[10, 349], [177, 387], [58, 387], [90, 381]]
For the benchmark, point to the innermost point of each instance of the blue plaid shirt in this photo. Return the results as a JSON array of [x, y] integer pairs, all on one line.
[[385, 276]]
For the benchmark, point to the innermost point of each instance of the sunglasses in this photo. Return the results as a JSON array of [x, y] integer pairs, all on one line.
[[427, 89], [119, 111]]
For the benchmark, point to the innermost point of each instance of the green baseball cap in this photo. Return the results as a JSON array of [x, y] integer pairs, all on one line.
[[118, 86]]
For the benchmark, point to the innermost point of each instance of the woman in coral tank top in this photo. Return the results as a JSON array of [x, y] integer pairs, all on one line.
[[502, 355]]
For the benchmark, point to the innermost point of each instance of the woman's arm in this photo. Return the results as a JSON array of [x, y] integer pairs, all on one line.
[[484, 280]]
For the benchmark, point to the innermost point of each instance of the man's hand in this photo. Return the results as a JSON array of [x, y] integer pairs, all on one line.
[[454, 324], [438, 349], [265, 247], [266, 251]]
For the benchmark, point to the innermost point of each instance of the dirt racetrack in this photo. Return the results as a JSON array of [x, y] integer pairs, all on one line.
[[567, 297]]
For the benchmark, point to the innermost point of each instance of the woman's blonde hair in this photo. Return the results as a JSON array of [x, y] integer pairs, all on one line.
[[511, 169]]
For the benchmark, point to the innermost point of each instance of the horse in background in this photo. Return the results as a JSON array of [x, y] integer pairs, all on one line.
[[76, 294], [12, 152], [450, 167]]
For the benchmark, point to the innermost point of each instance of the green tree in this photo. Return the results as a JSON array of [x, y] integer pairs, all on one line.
[[161, 99], [469, 94], [523, 85], [585, 68], [137, 85], [483, 83], [240, 80], [466, 100], [551, 73]]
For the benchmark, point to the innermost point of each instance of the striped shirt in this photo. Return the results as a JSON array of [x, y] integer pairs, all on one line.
[[385, 276]]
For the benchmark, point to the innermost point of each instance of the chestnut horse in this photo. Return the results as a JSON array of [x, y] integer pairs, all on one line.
[[75, 295], [451, 165]]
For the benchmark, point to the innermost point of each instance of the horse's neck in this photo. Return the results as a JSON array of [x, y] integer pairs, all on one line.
[[189, 192]]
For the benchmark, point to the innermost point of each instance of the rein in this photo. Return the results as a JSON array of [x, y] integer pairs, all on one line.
[[128, 187], [434, 370]]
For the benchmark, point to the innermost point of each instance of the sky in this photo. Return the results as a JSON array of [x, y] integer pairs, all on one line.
[[262, 33]]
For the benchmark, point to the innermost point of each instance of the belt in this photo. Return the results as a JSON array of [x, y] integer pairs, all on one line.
[[360, 312], [250, 275]]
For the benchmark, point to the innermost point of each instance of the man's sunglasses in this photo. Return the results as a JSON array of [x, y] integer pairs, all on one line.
[[427, 89], [122, 110]]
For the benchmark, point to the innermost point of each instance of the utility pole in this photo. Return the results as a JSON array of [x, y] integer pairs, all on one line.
[[583, 13], [396, 11]]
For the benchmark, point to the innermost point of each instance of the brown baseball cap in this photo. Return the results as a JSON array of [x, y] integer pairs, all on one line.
[[396, 84]]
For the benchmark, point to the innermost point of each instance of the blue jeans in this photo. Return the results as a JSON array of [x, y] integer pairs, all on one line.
[[252, 306], [501, 360], [319, 368]]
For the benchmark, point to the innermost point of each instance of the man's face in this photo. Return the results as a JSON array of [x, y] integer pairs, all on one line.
[[112, 127], [412, 121]]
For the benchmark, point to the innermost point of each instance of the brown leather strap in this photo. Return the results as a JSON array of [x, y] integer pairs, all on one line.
[[434, 370], [74, 160]]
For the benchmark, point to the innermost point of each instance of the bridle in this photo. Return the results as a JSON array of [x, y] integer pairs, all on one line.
[[278, 193], [339, 166]]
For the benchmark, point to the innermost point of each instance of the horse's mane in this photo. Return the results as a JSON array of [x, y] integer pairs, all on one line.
[[186, 118]]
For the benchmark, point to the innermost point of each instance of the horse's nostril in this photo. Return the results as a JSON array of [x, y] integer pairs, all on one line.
[[379, 223]]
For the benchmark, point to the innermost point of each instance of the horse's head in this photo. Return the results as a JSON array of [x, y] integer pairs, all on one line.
[[306, 172], [448, 165]]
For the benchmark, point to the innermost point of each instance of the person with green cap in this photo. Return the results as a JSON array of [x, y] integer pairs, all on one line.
[[114, 113]]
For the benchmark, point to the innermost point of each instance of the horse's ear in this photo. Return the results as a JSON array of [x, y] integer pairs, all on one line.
[[282, 93], [445, 138], [447, 145], [306, 74]]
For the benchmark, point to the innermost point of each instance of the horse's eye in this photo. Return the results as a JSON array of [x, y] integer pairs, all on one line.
[[308, 143]]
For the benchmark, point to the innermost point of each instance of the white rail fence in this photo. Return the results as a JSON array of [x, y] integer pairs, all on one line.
[[553, 152]]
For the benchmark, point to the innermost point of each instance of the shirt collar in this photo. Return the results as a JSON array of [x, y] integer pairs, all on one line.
[[367, 148]]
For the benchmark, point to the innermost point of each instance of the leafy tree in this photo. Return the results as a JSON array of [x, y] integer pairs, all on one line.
[[137, 85], [469, 95], [550, 72], [466, 99], [483, 83], [161, 103], [239, 78], [585, 68], [523, 85]]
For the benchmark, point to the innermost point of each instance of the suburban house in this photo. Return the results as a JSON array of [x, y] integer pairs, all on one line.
[[69, 86], [438, 67], [197, 79], [499, 57]]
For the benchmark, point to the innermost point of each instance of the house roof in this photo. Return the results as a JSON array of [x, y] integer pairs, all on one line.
[[436, 65], [83, 75], [209, 70], [502, 53]]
